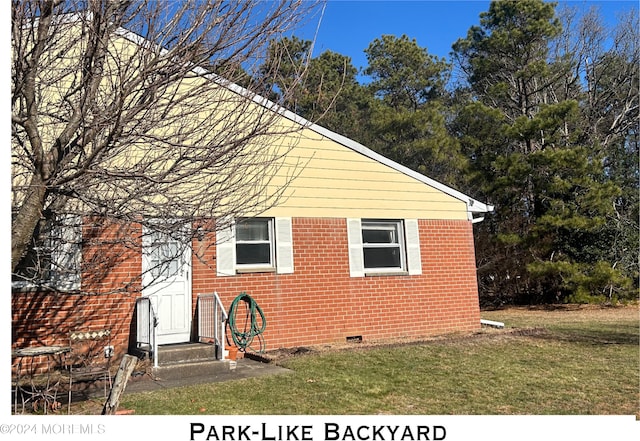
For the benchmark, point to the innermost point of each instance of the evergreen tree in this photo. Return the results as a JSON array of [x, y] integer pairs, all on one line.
[[524, 130], [408, 118], [544, 126]]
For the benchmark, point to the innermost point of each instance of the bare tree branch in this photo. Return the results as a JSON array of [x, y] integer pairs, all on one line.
[[129, 111]]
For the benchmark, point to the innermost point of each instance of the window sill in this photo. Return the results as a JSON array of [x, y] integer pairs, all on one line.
[[255, 270], [27, 287], [386, 273]]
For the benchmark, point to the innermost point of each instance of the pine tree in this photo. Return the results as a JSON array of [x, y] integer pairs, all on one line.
[[535, 161]]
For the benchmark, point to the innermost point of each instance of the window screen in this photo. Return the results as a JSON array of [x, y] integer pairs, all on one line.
[[254, 242], [382, 245]]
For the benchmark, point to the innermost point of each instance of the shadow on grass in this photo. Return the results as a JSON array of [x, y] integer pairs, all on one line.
[[623, 335]]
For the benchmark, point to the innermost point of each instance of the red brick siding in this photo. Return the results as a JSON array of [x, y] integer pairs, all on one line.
[[112, 285], [111, 257], [318, 303], [321, 303], [48, 318]]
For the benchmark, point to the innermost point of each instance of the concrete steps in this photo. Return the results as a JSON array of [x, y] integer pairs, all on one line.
[[190, 360], [185, 353]]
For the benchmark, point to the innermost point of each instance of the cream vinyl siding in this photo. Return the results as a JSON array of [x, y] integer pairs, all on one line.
[[335, 181], [317, 173]]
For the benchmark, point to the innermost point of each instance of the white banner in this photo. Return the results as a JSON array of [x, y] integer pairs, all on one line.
[[321, 428]]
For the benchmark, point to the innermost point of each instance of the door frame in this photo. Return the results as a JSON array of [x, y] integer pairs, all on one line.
[[153, 292]]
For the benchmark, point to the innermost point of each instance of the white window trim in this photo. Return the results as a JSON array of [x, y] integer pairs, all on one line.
[[400, 245], [281, 240], [284, 245], [412, 240], [410, 247], [226, 249], [251, 267], [356, 255], [66, 251]]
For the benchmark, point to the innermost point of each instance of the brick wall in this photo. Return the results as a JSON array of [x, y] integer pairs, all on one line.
[[318, 303], [111, 269], [321, 303], [48, 318]]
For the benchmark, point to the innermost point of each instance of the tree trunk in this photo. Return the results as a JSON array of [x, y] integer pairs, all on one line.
[[25, 221]]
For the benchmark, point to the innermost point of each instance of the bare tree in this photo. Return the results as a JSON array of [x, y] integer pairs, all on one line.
[[602, 64], [129, 113]]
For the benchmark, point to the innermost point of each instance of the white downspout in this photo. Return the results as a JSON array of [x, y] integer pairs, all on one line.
[[491, 323]]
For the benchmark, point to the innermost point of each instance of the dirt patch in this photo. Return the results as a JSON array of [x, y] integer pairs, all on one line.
[[555, 313], [278, 355]]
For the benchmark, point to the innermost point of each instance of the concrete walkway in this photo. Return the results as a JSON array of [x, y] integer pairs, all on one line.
[[189, 374]]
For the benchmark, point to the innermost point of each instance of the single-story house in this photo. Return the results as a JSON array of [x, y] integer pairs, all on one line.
[[357, 247]]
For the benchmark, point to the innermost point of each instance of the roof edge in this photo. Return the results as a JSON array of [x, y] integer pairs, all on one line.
[[473, 205]]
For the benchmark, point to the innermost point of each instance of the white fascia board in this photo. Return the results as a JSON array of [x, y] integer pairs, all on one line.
[[473, 205]]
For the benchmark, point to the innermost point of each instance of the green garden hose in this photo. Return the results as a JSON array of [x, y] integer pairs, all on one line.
[[254, 323]]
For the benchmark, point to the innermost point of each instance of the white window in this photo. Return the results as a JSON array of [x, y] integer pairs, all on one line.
[[163, 254], [255, 245], [162, 259], [54, 262], [383, 247]]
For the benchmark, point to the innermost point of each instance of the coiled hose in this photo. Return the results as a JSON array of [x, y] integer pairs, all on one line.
[[254, 323]]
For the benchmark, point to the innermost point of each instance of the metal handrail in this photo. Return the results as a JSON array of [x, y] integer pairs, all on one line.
[[147, 322], [212, 319]]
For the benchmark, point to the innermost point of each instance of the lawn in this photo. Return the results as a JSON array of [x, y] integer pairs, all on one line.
[[565, 360]]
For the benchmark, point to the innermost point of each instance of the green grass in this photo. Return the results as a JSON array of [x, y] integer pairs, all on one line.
[[581, 361]]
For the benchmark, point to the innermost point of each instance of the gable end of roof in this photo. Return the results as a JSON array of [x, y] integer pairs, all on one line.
[[473, 205]]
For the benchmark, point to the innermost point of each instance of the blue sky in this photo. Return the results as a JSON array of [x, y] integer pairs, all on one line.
[[348, 26]]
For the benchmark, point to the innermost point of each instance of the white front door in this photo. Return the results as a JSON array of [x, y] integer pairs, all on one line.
[[166, 266]]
